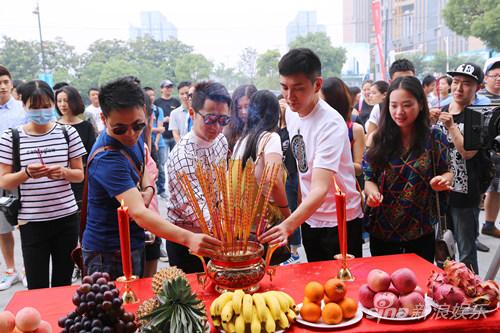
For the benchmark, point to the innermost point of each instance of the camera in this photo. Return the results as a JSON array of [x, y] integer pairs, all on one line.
[[482, 127]]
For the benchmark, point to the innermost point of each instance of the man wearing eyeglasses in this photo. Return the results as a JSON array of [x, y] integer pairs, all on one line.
[[115, 174], [205, 143]]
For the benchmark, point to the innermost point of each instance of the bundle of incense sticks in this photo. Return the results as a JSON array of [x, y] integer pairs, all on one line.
[[236, 203]]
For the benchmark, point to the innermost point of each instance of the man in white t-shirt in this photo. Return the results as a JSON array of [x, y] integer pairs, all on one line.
[[93, 111], [320, 144]]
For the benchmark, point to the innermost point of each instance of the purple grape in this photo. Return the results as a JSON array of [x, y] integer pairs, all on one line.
[[77, 327], [87, 279], [115, 292], [85, 288], [127, 317], [107, 329], [90, 296], [96, 323], [64, 331], [106, 276], [72, 315], [82, 331], [108, 296], [96, 330], [78, 319], [106, 305], [76, 299], [72, 329], [91, 305], [101, 281], [87, 325], [130, 327], [96, 288], [104, 288], [96, 275], [81, 308], [61, 322], [117, 302]]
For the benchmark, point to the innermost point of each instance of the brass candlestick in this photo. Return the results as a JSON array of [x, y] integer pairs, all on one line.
[[344, 273], [128, 296]]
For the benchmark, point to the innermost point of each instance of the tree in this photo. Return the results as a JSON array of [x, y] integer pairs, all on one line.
[[62, 59], [193, 67], [248, 64], [228, 76], [116, 68], [267, 70], [21, 58], [332, 58], [417, 59], [102, 51], [480, 19]]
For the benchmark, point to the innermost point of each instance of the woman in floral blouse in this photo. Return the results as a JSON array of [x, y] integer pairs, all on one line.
[[405, 166]]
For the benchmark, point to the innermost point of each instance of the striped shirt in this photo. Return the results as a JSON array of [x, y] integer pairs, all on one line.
[[44, 199]]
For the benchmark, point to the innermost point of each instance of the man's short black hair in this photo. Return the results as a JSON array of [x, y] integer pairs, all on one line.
[[213, 91], [428, 80], [119, 94], [92, 89], [184, 84], [401, 65], [59, 85], [300, 61], [5, 71], [148, 89]]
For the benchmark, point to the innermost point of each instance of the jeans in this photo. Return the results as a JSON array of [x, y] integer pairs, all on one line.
[[465, 222], [111, 262], [423, 247], [323, 243], [162, 159], [44, 241], [292, 187]]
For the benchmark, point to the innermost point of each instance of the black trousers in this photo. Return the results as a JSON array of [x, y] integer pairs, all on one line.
[[43, 241], [423, 247], [179, 256], [323, 243]]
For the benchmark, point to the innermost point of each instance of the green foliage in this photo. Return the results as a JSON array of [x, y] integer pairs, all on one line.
[[480, 19], [267, 70], [179, 311], [332, 58], [193, 67], [20, 58], [248, 64], [416, 58], [229, 76]]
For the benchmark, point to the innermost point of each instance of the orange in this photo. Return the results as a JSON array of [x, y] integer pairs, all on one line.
[[326, 300], [314, 291], [335, 289], [307, 300], [332, 314], [311, 312], [349, 307]]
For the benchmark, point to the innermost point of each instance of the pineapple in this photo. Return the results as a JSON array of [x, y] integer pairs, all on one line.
[[179, 310], [165, 274], [147, 308]]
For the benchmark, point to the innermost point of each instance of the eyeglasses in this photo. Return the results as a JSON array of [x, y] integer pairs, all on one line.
[[122, 129], [496, 76], [211, 119]]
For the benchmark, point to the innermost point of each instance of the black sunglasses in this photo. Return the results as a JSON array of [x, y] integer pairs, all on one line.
[[122, 129], [211, 119]]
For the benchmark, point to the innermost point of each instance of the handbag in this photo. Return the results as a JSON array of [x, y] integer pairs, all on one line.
[[10, 205], [445, 247]]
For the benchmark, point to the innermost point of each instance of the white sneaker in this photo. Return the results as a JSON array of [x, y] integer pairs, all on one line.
[[23, 278], [8, 278], [294, 259]]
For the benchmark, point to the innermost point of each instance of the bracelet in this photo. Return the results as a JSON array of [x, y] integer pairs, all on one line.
[[151, 187], [27, 173]]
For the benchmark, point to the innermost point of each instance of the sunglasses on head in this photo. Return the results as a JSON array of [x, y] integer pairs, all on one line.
[[211, 119], [122, 129]]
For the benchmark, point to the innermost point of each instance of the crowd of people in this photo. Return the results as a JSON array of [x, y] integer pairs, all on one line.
[[396, 149]]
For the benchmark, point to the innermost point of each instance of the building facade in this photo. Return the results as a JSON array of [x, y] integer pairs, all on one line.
[[304, 23], [155, 25]]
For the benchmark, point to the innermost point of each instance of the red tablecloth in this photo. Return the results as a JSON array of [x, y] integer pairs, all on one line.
[[56, 302]]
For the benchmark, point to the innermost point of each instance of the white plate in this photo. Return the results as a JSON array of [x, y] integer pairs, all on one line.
[[465, 311], [370, 314], [321, 324]]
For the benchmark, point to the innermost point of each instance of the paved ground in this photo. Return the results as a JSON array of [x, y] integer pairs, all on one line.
[[484, 261]]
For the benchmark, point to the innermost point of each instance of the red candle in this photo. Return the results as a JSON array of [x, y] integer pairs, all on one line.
[[340, 201], [124, 229]]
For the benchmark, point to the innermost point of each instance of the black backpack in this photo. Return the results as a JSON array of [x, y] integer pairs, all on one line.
[[486, 169]]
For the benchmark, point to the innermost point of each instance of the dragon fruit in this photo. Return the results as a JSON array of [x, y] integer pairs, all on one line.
[[448, 294], [460, 276], [487, 294], [435, 280]]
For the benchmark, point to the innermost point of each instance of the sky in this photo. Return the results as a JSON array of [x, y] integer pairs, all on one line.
[[218, 29]]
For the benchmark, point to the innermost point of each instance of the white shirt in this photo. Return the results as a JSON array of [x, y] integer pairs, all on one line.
[[178, 120], [374, 116], [12, 114], [44, 199], [321, 140], [96, 115]]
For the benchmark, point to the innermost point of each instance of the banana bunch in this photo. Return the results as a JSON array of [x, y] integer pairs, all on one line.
[[237, 312]]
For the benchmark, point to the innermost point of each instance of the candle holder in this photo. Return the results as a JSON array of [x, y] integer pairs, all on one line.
[[128, 296], [344, 272]]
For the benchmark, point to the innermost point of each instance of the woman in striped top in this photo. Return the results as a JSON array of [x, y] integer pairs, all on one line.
[[50, 160]]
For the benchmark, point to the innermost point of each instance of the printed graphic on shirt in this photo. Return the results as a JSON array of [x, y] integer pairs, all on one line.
[[299, 152], [457, 164]]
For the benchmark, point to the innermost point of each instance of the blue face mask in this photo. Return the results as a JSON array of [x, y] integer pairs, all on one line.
[[40, 116]]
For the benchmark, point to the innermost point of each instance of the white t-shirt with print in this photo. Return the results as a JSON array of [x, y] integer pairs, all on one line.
[[44, 199], [374, 116], [321, 140], [96, 115]]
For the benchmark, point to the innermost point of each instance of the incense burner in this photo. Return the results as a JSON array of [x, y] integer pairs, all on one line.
[[237, 269]]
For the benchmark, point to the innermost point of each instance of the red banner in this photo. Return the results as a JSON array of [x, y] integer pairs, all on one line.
[[377, 21]]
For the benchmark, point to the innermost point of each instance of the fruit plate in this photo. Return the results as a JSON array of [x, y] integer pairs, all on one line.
[[460, 311], [370, 314], [321, 324]]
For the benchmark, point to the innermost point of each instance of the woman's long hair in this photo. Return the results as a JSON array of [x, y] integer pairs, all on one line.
[[237, 125], [387, 141], [336, 94], [263, 116]]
